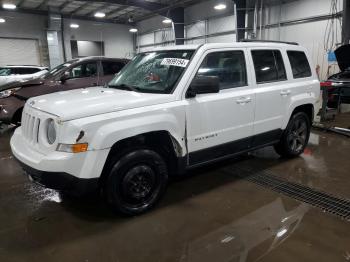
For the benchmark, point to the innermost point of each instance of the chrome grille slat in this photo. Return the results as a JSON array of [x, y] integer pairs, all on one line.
[[31, 127], [36, 130]]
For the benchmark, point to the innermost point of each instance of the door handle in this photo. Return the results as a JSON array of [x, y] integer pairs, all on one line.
[[285, 92], [243, 100]]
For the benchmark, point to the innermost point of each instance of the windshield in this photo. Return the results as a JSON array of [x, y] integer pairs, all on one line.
[[58, 69], [153, 72], [5, 71]]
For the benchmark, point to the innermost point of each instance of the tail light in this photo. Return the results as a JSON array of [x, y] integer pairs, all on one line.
[[329, 85], [331, 90], [326, 84]]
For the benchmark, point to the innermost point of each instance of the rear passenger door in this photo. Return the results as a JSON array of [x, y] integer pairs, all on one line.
[[271, 78], [221, 124]]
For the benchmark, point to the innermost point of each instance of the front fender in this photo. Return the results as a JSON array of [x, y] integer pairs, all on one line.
[[107, 135]]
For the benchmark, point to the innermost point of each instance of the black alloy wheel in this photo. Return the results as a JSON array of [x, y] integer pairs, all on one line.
[[136, 181], [295, 137]]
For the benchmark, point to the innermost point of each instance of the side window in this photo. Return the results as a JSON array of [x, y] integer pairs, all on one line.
[[268, 65], [15, 71], [300, 65], [229, 66], [111, 68], [84, 70], [27, 70], [23, 70], [33, 70]]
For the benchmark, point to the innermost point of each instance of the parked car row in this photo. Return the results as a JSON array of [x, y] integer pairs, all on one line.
[[74, 74]]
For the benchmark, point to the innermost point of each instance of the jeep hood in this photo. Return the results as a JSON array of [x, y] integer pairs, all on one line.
[[92, 101], [342, 54]]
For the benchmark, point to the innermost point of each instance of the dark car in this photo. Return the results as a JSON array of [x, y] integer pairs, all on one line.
[[338, 85], [77, 73]]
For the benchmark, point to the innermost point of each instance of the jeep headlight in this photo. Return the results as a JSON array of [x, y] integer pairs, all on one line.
[[51, 131], [8, 92]]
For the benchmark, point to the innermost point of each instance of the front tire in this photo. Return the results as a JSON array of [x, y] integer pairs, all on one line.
[[295, 137], [136, 181]]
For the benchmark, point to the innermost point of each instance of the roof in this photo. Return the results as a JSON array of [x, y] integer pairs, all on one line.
[[226, 45], [98, 58], [25, 66]]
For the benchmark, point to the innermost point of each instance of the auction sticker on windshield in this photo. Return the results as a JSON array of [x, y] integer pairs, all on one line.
[[175, 62]]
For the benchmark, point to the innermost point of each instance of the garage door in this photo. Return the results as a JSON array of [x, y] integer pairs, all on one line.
[[19, 52]]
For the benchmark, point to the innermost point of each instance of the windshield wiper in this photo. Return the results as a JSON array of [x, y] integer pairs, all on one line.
[[124, 87]]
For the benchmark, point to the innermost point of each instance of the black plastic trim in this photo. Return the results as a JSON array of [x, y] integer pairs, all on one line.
[[234, 148], [60, 180]]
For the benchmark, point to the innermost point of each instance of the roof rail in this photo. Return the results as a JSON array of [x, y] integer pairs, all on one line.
[[268, 41], [25, 65]]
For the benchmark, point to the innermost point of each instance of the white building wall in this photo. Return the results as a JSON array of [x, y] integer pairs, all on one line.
[[26, 26], [118, 41]]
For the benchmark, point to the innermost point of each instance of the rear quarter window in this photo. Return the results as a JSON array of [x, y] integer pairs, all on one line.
[[269, 66], [299, 64]]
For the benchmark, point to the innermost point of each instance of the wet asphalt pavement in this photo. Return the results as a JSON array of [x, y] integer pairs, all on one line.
[[211, 215]]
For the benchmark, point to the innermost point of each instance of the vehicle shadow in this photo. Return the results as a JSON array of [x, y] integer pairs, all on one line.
[[193, 183]]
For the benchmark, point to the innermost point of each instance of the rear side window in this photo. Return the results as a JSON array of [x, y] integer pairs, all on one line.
[[111, 68], [300, 65], [268, 65], [24, 70], [228, 66]]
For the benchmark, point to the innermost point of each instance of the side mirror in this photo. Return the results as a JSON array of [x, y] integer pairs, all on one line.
[[65, 77], [203, 85]]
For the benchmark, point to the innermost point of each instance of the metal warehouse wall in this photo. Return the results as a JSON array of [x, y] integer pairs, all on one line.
[[26, 26], [118, 41], [201, 29]]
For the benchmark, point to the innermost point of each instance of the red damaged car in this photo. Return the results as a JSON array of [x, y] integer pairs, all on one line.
[[77, 73]]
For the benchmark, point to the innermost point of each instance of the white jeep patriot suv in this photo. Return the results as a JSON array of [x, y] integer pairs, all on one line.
[[167, 111]]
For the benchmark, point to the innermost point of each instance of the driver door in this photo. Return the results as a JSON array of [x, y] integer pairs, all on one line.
[[83, 75], [221, 124]]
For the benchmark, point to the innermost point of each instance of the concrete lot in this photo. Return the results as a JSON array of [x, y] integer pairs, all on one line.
[[211, 215]]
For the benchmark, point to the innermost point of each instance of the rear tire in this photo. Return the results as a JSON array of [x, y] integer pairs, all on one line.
[[295, 137], [136, 181]]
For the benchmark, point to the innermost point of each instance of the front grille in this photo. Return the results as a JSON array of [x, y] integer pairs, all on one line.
[[30, 127], [327, 202]]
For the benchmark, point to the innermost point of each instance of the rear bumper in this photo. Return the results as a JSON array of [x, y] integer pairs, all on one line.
[[60, 181]]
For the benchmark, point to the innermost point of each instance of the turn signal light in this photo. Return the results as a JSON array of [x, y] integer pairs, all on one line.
[[75, 148]]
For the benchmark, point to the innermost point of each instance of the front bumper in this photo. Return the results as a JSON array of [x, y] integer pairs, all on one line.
[[60, 181], [59, 170]]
